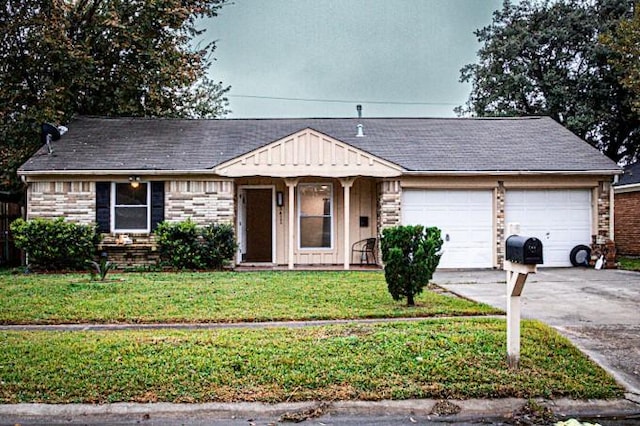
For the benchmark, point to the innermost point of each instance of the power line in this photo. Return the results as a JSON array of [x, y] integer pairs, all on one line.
[[340, 101]]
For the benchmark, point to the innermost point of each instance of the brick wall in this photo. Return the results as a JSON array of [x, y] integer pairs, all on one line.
[[389, 204], [604, 215], [204, 202], [627, 223], [142, 251], [75, 201], [500, 195]]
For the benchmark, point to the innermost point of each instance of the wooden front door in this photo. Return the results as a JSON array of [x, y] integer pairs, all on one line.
[[259, 222]]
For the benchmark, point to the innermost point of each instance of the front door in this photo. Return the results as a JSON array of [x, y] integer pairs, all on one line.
[[259, 222]]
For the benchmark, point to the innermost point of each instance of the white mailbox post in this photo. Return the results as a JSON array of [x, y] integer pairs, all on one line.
[[521, 258], [516, 276]]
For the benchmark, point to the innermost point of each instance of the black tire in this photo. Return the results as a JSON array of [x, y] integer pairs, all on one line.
[[580, 255]]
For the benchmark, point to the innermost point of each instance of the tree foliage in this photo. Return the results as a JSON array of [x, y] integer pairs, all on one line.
[[411, 255], [546, 58], [625, 41], [99, 57]]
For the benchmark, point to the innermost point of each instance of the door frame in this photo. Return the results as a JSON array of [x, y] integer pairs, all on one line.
[[241, 220]]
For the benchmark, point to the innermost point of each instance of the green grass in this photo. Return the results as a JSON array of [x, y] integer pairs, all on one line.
[[629, 263], [212, 297], [463, 358]]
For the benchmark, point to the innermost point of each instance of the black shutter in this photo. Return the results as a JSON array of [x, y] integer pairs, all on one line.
[[157, 204], [103, 206]]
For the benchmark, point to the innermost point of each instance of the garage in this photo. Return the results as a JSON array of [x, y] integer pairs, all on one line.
[[560, 218], [465, 218]]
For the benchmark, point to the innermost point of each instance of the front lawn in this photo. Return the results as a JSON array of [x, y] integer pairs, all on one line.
[[213, 297], [438, 358], [629, 263]]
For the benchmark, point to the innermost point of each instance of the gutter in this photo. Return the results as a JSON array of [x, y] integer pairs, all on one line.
[[25, 174], [513, 173], [621, 189]]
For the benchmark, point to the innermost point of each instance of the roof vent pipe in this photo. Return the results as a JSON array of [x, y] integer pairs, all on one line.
[[360, 126]]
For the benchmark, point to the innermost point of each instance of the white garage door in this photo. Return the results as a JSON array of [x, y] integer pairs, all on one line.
[[561, 219], [465, 218]]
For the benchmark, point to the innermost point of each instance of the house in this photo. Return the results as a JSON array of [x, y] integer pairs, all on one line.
[[627, 213], [302, 191]]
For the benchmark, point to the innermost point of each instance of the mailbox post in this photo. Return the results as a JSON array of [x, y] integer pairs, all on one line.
[[522, 257]]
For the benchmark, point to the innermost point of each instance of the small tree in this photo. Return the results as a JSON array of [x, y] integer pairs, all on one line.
[[411, 255]]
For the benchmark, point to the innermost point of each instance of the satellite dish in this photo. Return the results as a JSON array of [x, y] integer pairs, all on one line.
[[49, 133], [50, 129]]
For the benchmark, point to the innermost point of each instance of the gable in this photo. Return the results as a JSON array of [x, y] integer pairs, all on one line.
[[308, 153]]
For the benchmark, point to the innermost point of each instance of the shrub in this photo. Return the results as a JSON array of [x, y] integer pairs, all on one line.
[[219, 245], [184, 245], [411, 255], [55, 244], [178, 244]]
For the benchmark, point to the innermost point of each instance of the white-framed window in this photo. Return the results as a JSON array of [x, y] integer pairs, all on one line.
[[315, 216], [130, 207]]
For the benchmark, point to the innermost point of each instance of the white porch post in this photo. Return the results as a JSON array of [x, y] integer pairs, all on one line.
[[291, 185], [346, 186]]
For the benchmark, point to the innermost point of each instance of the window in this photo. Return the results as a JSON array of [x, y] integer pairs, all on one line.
[[315, 213], [131, 210]]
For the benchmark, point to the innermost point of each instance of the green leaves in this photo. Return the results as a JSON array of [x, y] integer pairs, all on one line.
[[625, 42], [183, 245], [411, 255], [90, 57], [546, 58], [53, 245]]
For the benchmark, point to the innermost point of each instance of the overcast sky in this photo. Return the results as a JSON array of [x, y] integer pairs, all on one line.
[[383, 54]]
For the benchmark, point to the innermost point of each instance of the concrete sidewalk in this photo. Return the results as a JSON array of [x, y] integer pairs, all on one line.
[[598, 310]]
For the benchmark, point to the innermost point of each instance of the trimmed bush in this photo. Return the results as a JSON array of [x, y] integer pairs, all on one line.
[[219, 245], [184, 245], [54, 245], [410, 255]]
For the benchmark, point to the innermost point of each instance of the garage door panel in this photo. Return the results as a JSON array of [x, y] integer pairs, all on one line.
[[561, 219], [466, 217]]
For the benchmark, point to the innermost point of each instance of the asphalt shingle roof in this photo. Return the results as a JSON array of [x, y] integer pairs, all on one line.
[[631, 175], [417, 144]]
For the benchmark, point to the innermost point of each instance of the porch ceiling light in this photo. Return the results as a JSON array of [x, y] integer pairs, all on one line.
[[135, 181]]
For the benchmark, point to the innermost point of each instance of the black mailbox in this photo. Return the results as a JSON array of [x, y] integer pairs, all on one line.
[[524, 250]]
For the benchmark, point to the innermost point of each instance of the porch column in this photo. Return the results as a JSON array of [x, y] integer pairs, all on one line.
[[291, 185], [346, 187]]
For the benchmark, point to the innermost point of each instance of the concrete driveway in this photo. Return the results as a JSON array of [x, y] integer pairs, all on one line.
[[599, 311]]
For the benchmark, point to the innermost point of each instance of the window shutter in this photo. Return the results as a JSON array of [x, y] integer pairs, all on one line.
[[103, 206], [157, 204]]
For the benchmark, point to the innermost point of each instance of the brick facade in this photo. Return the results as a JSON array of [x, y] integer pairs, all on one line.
[[627, 223], [204, 202], [142, 251], [500, 196], [389, 204], [604, 215], [75, 201]]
